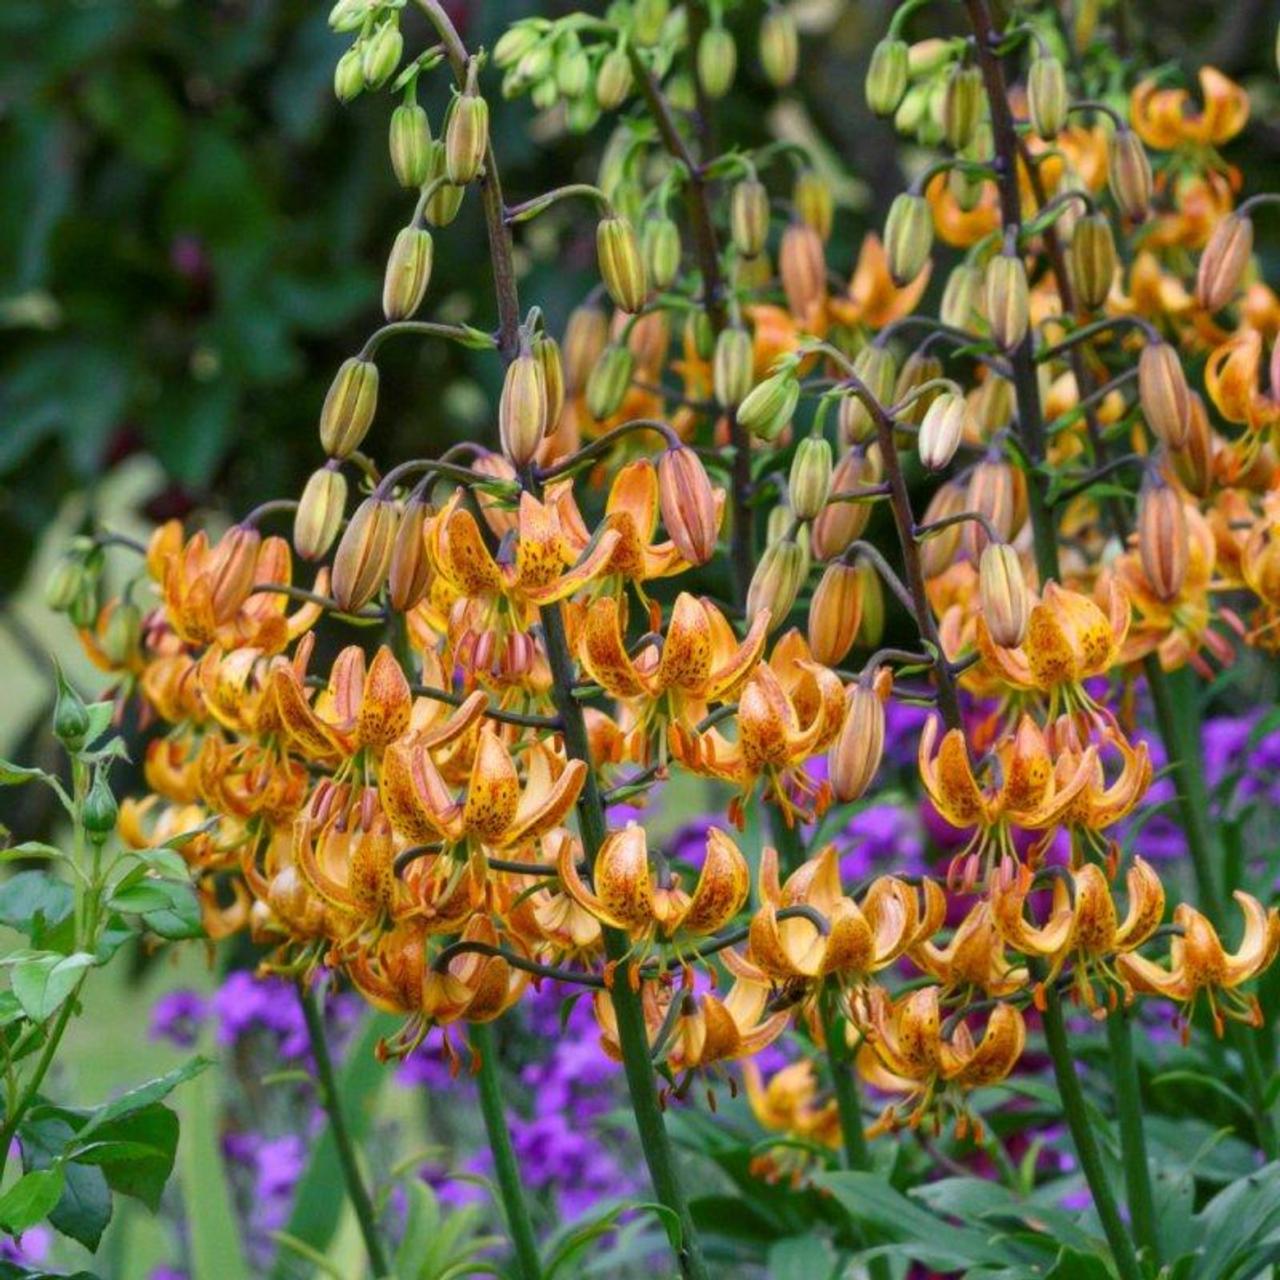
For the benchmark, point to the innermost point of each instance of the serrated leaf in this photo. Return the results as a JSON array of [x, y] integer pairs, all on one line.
[[43, 982], [33, 899], [30, 1199]]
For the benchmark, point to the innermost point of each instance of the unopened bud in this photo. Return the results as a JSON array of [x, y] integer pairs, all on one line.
[[608, 382], [699, 335], [1164, 394], [1006, 300], [777, 580], [802, 264], [1093, 259], [908, 236], [573, 69], [1193, 462], [381, 55], [349, 407], [546, 351], [688, 504], [63, 583], [1047, 98], [621, 265], [1163, 543], [717, 62], [466, 138], [515, 42], [992, 403], [810, 481], [1129, 174], [100, 811], [854, 758], [991, 494], [841, 523], [409, 571], [364, 554], [731, 367], [1006, 601], [70, 715], [877, 370], [939, 550], [585, 338], [887, 77], [871, 629], [349, 15], [348, 75], [960, 297], [1223, 262], [918, 368], [946, 423], [962, 106], [522, 410], [835, 613], [660, 242], [779, 47], [647, 20], [445, 200], [813, 201], [320, 512], [769, 405], [410, 144], [122, 634], [749, 217], [408, 273], [614, 79]]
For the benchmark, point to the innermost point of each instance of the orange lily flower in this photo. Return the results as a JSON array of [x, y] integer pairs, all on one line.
[[1098, 804], [1161, 119], [550, 919], [788, 1104], [973, 959], [873, 299], [1231, 378]]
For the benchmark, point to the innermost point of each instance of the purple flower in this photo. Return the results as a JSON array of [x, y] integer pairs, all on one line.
[[178, 1017], [32, 1246]]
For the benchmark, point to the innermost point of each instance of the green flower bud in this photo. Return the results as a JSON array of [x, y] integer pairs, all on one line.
[[608, 382], [749, 217], [64, 583], [680, 91], [717, 62], [1093, 260], [887, 77], [349, 407], [960, 297], [573, 68], [768, 407], [813, 201], [614, 80], [545, 94], [349, 15], [732, 367], [871, 628], [585, 337], [810, 481], [320, 511], [582, 113], [70, 715], [908, 237], [878, 371], [100, 811], [779, 47], [699, 334], [515, 42], [1129, 174], [466, 138], [621, 266], [1006, 299], [364, 553], [381, 57], [911, 110], [660, 243], [408, 273], [777, 580], [962, 105], [410, 144], [1047, 98], [443, 204], [647, 19], [917, 369], [85, 608], [123, 632], [546, 351], [348, 75]]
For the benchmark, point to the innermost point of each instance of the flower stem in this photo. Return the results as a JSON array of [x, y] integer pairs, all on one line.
[[331, 1101], [1133, 1139], [528, 1264]]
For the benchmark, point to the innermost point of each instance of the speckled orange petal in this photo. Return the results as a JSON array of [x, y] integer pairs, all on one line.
[[997, 1053], [545, 802], [765, 947], [687, 650], [466, 561], [767, 722], [494, 794], [302, 726], [410, 817], [1028, 770], [850, 946], [603, 651], [949, 779], [1146, 906], [624, 883], [732, 662], [722, 888], [1257, 946], [915, 1040], [386, 703], [589, 566]]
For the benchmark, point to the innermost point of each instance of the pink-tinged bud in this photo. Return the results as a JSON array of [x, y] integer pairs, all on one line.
[[946, 423], [320, 512], [1129, 174], [777, 580], [1006, 300], [749, 217], [813, 201], [1006, 601], [522, 411], [917, 370], [408, 273], [717, 60], [810, 480], [546, 351], [835, 613], [1193, 462], [887, 76], [1164, 394], [585, 338], [1163, 543], [991, 493], [908, 236], [688, 504], [621, 263], [364, 554], [466, 138], [779, 47], [1047, 98], [731, 367], [410, 145], [841, 523], [854, 758], [802, 264], [938, 552], [1223, 263], [409, 571], [1093, 259], [349, 406]]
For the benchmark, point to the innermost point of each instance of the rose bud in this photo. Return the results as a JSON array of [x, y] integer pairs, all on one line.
[[614, 79], [731, 367], [887, 77], [660, 244], [946, 422], [364, 554], [1163, 543], [836, 613], [409, 572], [917, 369], [320, 512], [779, 47], [381, 56], [769, 405], [1006, 602], [546, 351], [908, 236], [810, 480], [621, 265], [585, 338], [1093, 259], [1164, 394], [1223, 262], [841, 523], [522, 410], [962, 105], [854, 758], [777, 580], [348, 75], [749, 217], [410, 144], [1006, 300], [408, 273], [608, 382], [1129, 174], [466, 138], [871, 628], [349, 406], [717, 62], [1047, 99], [939, 550], [959, 304], [876, 368], [1193, 461], [444, 202], [813, 202], [689, 509]]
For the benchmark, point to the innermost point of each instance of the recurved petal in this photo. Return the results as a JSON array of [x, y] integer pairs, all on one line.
[[624, 884], [687, 650], [386, 703], [722, 888], [949, 779], [494, 793], [997, 1053], [1146, 906], [603, 650], [1258, 946], [732, 662], [545, 801], [850, 946]]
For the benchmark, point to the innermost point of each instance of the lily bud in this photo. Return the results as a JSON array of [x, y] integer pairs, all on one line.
[[810, 480], [348, 15], [1047, 98], [802, 264], [854, 758], [871, 629], [876, 369], [608, 382], [122, 634], [349, 407], [1223, 262], [621, 266], [769, 405], [410, 144], [777, 580], [887, 76], [444, 202], [1006, 300], [731, 367], [466, 138], [1006, 601], [959, 304], [699, 334], [1164, 546], [813, 202], [515, 42], [522, 410], [939, 550], [382, 53], [779, 47], [749, 217], [319, 514], [717, 62], [614, 80], [585, 338], [1193, 462], [546, 351], [917, 369], [1093, 259], [962, 106], [1164, 394], [1129, 174], [946, 423], [647, 20], [688, 504], [908, 236], [408, 273], [573, 69], [836, 613], [364, 554], [841, 523], [348, 75], [966, 189], [660, 242], [990, 493], [409, 570]]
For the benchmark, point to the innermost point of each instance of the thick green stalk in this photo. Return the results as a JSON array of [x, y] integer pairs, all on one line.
[[1083, 1139], [331, 1101], [1133, 1138], [493, 1108]]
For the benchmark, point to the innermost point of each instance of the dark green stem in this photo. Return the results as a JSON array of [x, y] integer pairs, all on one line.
[[331, 1101], [1133, 1138], [493, 1109]]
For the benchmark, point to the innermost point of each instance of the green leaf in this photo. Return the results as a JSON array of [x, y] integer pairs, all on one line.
[[100, 717], [145, 1095], [14, 775], [43, 982], [32, 900], [84, 1209], [806, 1257], [1073, 1265], [29, 849], [30, 1199], [135, 1152], [165, 862], [179, 917]]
